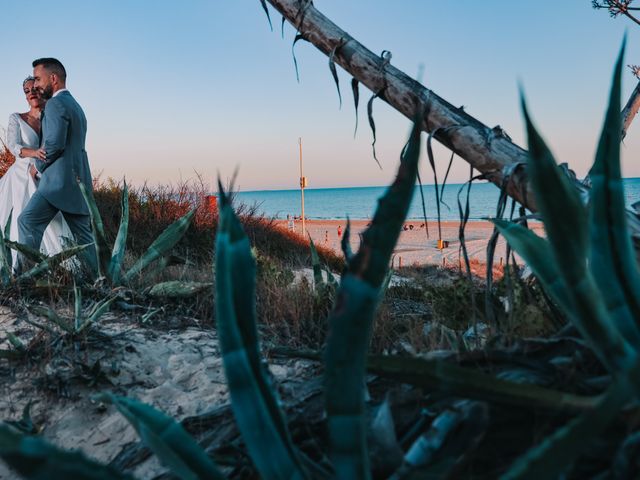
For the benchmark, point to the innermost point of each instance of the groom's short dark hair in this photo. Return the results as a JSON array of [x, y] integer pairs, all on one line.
[[53, 65]]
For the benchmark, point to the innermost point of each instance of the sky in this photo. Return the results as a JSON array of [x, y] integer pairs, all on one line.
[[171, 89]]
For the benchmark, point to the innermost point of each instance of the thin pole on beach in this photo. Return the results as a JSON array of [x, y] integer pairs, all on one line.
[[303, 183]]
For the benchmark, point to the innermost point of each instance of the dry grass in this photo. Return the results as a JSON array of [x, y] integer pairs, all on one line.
[[152, 209]]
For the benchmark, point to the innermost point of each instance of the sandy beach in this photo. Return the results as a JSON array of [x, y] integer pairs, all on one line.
[[414, 246]]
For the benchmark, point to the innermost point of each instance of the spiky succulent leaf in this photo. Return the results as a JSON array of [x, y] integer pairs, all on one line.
[[30, 253], [96, 312], [167, 439], [254, 404], [53, 317], [50, 262], [350, 322], [7, 236], [178, 289], [565, 221], [101, 244], [165, 241], [5, 270], [16, 342], [612, 259], [317, 267], [120, 245], [35, 459], [77, 304], [550, 458]]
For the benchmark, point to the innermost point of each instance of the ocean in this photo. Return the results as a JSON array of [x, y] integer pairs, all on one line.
[[360, 202]]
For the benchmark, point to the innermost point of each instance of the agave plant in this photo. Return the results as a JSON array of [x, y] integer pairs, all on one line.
[[110, 259], [82, 319], [588, 267]]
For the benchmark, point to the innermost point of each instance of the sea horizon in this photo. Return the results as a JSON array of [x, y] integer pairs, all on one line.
[[359, 203]]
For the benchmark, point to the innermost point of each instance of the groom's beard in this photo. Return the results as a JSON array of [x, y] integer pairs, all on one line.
[[46, 92]]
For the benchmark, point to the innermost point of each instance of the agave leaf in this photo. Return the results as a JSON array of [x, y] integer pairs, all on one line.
[[254, 404], [350, 322], [7, 226], [385, 284], [551, 457], [537, 253], [96, 312], [463, 382], [51, 314], [345, 242], [101, 244], [177, 289], [562, 210], [77, 295], [613, 261], [30, 253], [35, 459], [25, 424], [331, 279], [120, 245], [50, 262], [16, 342], [166, 437], [565, 221], [317, 268], [5, 270], [350, 330], [165, 241], [7, 236], [453, 434]]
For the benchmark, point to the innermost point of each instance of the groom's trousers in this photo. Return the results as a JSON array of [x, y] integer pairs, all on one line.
[[37, 215]]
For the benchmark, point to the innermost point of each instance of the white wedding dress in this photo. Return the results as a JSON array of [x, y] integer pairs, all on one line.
[[17, 186]]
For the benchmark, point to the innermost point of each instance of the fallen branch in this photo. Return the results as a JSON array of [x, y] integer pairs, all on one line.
[[488, 150]]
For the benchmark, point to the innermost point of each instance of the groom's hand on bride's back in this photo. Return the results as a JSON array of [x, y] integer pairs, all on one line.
[[40, 154]]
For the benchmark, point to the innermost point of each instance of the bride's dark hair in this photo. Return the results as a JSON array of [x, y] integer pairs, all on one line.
[[28, 79]]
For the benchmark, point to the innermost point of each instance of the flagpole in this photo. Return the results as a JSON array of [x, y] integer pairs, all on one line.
[[303, 184]]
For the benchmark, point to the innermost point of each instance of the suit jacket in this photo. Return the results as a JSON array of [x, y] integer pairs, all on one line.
[[64, 128]]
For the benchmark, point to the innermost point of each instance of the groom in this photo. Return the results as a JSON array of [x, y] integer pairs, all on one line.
[[64, 163]]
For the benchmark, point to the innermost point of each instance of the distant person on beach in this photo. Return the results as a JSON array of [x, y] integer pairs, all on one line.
[[59, 166], [17, 186], [339, 231], [290, 223]]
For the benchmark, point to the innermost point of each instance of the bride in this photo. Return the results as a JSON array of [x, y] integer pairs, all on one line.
[[17, 186]]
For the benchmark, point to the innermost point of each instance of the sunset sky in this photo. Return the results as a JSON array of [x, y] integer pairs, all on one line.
[[173, 88]]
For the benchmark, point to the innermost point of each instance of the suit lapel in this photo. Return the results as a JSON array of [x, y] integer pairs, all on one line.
[[41, 127]]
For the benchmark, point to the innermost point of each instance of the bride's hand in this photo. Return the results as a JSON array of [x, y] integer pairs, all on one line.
[[33, 172]]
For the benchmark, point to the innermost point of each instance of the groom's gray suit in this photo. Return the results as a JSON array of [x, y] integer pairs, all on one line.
[[64, 128]]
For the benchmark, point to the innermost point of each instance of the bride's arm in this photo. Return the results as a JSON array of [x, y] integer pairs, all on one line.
[[14, 140]]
